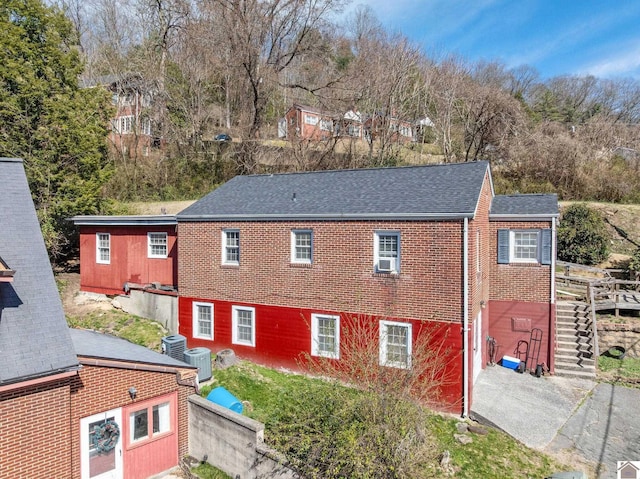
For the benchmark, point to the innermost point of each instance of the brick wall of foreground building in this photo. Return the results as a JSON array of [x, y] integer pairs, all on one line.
[[34, 431]]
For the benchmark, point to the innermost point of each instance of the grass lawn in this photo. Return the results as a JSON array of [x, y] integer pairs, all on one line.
[[207, 471], [273, 395], [118, 323], [626, 370]]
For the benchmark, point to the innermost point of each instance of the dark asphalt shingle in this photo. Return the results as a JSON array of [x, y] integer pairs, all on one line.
[[525, 205], [450, 190], [98, 345], [34, 338]]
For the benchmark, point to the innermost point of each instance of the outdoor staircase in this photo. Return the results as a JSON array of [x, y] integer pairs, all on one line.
[[575, 355]]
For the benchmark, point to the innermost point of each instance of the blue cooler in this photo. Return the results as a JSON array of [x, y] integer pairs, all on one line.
[[510, 362], [224, 398]]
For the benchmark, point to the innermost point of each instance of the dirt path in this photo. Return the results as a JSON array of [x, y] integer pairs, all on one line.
[[73, 303]]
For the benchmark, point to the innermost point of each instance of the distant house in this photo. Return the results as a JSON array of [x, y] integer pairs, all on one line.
[[310, 123], [75, 404], [388, 128], [132, 127]]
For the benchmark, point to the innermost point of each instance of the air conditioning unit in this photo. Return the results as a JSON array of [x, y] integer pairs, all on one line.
[[201, 358], [174, 346], [386, 265]]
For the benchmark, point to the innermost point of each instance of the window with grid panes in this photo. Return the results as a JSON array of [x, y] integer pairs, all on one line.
[[243, 325], [325, 335], [302, 246], [203, 320], [395, 344], [103, 251], [157, 243], [231, 253]]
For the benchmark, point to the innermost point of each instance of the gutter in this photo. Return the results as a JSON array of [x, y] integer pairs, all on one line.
[[40, 380], [465, 321], [553, 327]]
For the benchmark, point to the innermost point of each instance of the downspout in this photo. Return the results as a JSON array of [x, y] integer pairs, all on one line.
[[465, 320], [552, 299]]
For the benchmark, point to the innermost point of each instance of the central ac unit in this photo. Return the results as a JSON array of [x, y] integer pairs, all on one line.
[[386, 265], [174, 346], [201, 358]]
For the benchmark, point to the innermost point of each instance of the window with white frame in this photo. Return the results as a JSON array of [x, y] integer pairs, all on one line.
[[145, 126], [525, 246], [123, 125], [302, 246], [157, 245], [103, 248], [325, 336], [243, 324], [311, 120], [149, 421], [231, 247], [203, 320], [395, 344], [386, 251]]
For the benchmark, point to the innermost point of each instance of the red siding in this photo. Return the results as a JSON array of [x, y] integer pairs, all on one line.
[[157, 454], [283, 336], [129, 259], [501, 326]]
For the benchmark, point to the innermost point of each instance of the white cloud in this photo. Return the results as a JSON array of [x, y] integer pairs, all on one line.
[[625, 63]]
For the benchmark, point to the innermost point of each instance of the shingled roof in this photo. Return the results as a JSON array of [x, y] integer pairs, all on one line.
[[530, 206], [406, 193], [34, 338]]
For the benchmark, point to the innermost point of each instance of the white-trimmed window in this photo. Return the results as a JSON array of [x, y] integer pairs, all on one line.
[[157, 245], [231, 247], [203, 320], [123, 124], [386, 251], [244, 326], [302, 246], [311, 119], [525, 246], [395, 344], [103, 248], [149, 421], [325, 335]]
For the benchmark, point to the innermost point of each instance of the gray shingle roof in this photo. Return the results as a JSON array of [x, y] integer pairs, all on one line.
[[98, 345], [416, 192], [533, 205], [34, 338]]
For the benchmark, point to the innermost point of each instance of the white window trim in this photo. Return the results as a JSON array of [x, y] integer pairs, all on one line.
[[150, 249], [224, 246], [376, 250], [315, 351], [195, 332], [310, 119], [234, 325], [98, 248], [294, 259], [383, 344], [512, 247]]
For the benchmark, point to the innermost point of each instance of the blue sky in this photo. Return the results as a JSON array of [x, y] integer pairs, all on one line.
[[557, 37]]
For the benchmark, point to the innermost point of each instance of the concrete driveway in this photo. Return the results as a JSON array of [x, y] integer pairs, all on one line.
[[600, 422], [605, 429]]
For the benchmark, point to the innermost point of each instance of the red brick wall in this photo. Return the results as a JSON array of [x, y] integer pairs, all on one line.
[[99, 389], [34, 431], [518, 282], [341, 278]]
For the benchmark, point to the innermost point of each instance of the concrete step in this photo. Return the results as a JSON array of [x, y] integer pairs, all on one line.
[[573, 364], [575, 331], [572, 316], [568, 373], [569, 323], [571, 336], [571, 306]]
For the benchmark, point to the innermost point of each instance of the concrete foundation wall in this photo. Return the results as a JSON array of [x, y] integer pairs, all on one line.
[[232, 442], [162, 308]]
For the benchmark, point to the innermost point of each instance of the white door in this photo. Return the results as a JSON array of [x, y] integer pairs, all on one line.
[[101, 445], [477, 347]]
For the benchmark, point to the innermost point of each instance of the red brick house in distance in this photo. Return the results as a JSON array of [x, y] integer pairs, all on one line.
[[270, 264]]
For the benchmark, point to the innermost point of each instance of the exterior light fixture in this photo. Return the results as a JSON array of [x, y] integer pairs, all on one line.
[[132, 393]]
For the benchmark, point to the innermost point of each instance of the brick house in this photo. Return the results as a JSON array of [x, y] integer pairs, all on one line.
[[132, 128], [122, 252], [310, 123], [67, 405], [270, 264], [388, 128]]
